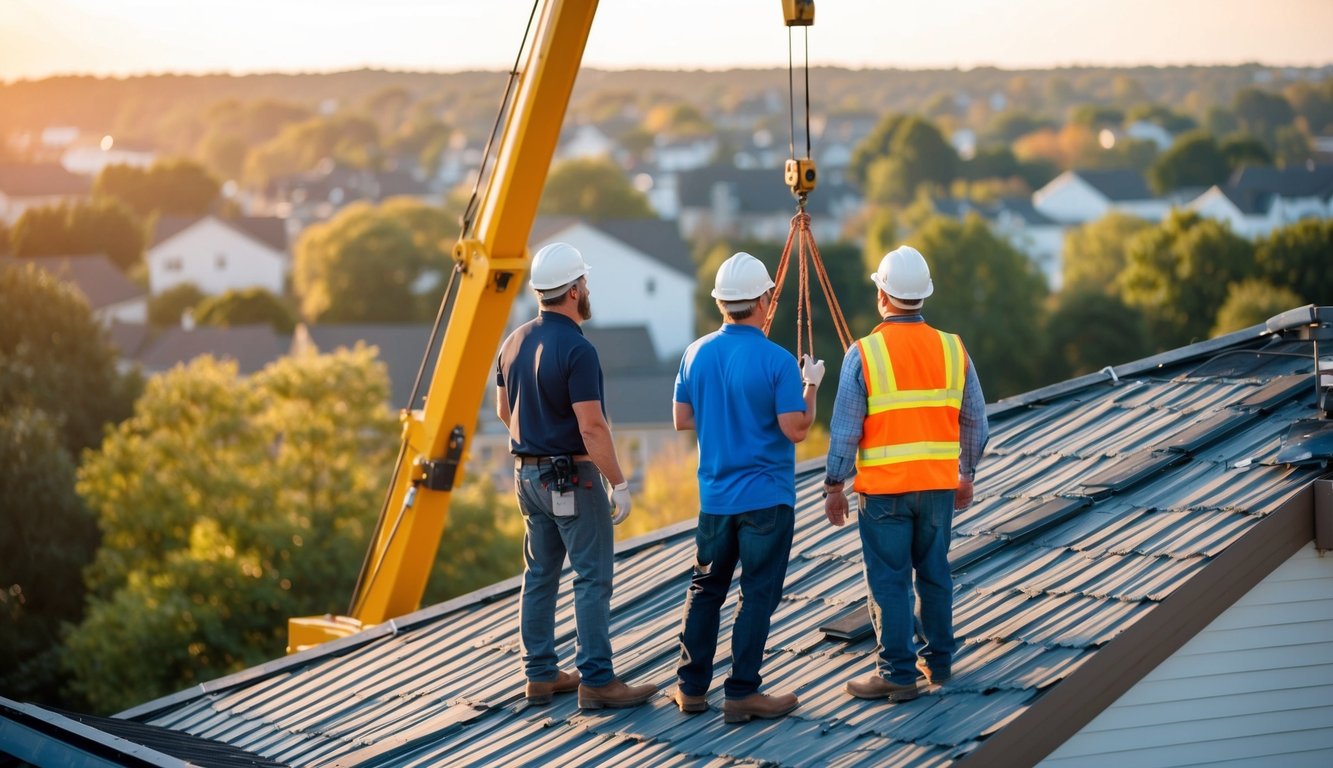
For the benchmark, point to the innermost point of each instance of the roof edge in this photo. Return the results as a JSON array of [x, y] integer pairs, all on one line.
[[1112, 373], [1124, 661], [51, 730]]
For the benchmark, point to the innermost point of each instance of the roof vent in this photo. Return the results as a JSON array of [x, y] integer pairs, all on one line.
[[1310, 440]]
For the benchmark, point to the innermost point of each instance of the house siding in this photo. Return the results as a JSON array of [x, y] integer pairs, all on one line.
[[1070, 199], [1253, 688], [619, 284], [216, 258]]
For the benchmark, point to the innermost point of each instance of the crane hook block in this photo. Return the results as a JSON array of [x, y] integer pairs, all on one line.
[[799, 13], [800, 175]]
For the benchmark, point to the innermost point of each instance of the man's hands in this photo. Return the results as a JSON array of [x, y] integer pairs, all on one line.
[[812, 371], [835, 505], [962, 498], [620, 503]]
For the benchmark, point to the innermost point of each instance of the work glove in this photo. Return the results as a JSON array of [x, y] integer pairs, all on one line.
[[620, 503], [812, 371]]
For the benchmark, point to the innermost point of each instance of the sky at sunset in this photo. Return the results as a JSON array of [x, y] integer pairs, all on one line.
[[118, 37]]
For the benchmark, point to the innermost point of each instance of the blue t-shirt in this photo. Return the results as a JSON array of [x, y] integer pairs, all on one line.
[[546, 366], [737, 382]]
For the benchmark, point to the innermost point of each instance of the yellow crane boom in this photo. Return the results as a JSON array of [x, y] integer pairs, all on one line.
[[492, 265]]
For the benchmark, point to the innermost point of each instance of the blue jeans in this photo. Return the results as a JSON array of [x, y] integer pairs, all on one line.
[[587, 537], [760, 540], [900, 533]]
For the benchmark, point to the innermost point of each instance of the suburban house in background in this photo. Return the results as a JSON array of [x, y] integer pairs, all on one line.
[[642, 274], [218, 255], [38, 185], [90, 157], [304, 198], [1077, 197], [112, 297], [251, 347], [755, 204], [1256, 201]]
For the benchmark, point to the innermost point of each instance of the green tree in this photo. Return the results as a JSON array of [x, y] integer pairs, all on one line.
[[49, 538], [361, 265], [919, 155], [1163, 116], [874, 146], [300, 147], [1241, 149], [990, 294], [1298, 256], [1251, 302], [55, 358], [171, 187], [1292, 147], [227, 505], [1313, 103], [1179, 273], [1098, 116], [102, 226], [166, 308], [1194, 160], [1089, 329], [1094, 254], [247, 306], [1262, 113], [593, 188], [1008, 126]]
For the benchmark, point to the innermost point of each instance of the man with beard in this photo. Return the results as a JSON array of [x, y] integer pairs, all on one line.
[[549, 394]]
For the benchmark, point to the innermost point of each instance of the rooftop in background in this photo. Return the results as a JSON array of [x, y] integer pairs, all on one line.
[[268, 230], [101, 282]]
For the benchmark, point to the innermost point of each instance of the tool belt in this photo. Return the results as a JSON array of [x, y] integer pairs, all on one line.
[[557, 471]]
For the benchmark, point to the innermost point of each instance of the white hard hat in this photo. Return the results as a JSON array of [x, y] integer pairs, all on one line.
[[555, 265], [903, 274], [741, 278]]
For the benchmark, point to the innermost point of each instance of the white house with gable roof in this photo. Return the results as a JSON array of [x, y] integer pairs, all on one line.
[[218, 255], [641, 274]]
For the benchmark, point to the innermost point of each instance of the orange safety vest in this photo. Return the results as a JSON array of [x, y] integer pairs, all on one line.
[[914, 377]]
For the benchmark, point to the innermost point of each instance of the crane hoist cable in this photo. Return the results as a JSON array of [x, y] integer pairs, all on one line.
[[801, 177], [368, 570]]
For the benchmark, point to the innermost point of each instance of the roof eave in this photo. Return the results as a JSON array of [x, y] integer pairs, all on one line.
[[1091, 688]]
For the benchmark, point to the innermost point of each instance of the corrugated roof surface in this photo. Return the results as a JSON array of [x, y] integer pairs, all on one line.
[[1095, 501]]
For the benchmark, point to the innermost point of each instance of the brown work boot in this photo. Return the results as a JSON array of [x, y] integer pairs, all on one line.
[[541, 692], [876, 687], [614, 694], [758, 705], [687, 703], [933, 677]]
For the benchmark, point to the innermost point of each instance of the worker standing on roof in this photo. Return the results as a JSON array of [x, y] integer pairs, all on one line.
[[549, 394], [911, 415], [749, 404]]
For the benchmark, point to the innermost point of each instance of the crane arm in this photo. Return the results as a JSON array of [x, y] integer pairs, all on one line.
[[492, 263]]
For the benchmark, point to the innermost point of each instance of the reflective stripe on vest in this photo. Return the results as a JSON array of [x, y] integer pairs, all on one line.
[[911, 437]]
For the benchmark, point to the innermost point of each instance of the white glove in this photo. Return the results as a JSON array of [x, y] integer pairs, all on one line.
[[620, 503], [812, 371]]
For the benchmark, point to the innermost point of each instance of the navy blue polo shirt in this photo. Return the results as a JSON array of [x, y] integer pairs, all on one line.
[[737, 382], [546, 366]]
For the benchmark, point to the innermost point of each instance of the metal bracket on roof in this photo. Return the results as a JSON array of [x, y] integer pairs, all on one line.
[[1110, 371]]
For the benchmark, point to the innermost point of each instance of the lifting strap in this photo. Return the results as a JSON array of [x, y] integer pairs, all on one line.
[[807, 256]]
